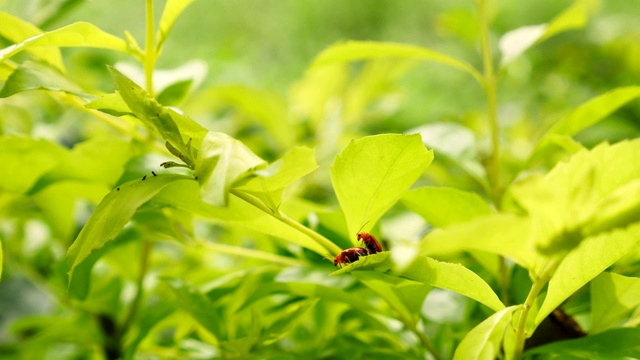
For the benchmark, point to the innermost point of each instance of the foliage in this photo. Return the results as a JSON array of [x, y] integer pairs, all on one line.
[[151, 217]]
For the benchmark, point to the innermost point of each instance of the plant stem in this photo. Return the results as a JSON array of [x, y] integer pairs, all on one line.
[[537, 286], [490, 88], [326, 243], [135, 304], [150, 48], [423, 338]]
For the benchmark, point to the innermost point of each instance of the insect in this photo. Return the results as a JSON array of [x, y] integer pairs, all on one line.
[[350, 255], [370, 242]]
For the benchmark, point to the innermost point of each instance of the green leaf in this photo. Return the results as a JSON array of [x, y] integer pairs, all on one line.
[[112, 104], [39, 76], [564, 203], [15, 30], [269, 183], [369, 50], [198, 306], [1, 260], [517, 41], [41, 156], [613, 298], [221, 162], [371, 174], [512, 241], [586, 115], [485, 340], [618, 209], [150, 317], [591, 257], [286, 321], [157, 117], [432, 272], [79, 34], [113, 213], [172, 10], [442, 207], [611, 345], [186, 196]]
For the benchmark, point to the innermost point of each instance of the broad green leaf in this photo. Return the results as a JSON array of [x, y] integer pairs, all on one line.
[[113, 213], [613, 298], [591, 257], [157, 117], [517, 41], [79, 34], [512, 241], [586, 115], [457, 143], [41, 156], [369, 50], [15, 30], [432, 272], [269, 183], [39, 76], [223, 160], [618, 209], [371, 174], [484, 341], [112, 104], [186, 196], [614, 344], [564, 203], [199, 307], [172, 10], [442, 207]]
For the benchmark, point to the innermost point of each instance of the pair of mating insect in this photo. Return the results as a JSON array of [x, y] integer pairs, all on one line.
[[347, 256]]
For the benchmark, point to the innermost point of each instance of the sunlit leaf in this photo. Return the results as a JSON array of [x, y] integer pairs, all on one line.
[[591, 257], [442, 207], [371, 174], [512, 241], [613, 298], [39, 76], [369, 50], [517, 41], [15, 30], [617, 210], [454, 277], [112, 104], [586, 115], [41, 156], [269, 183], [170, 14], [79, 34], [613, 344], [223, 160], [113, 213], [484, 341]]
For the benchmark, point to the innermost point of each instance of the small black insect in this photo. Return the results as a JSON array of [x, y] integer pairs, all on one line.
[[118, 189], [154, 174], [144, 177]]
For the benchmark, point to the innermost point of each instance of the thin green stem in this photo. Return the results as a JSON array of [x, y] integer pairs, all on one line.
[[423, 338], [536, 288], [326, 243], [147, 246], [490, 87], [150, 48]]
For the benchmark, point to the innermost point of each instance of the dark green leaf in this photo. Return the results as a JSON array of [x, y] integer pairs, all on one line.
[[614, 344]]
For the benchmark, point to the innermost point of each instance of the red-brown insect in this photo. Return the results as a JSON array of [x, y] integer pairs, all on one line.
[[349, 255], [370, 242]]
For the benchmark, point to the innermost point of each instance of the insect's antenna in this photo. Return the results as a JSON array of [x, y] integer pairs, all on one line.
[[361, 227]]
